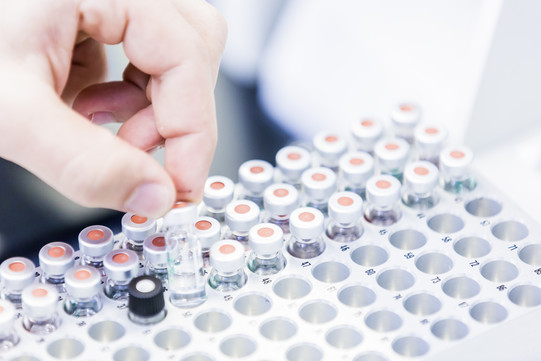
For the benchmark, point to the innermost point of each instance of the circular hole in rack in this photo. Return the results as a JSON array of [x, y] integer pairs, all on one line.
[[525, 295], [369, 256], [395, 279], [330, 272], [422, 304], [383, 321], [407, 239], [292, 288], [510, 231], [483, 207], [410, 346], [131, 353], [278, 329], [370, 356], [499, 271], [253, 304], [472, 247], [344, 337], [212, 321], [356, 296], [461, 287], [304, 352], [434, 263], [446, 223], [238, 346], [172, 339], [449, 329], [106, 331], [488, 312], [197, 357], [65, 348], [531, 254], [317, 312]]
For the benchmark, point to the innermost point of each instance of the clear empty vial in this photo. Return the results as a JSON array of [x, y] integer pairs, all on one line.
[[94, 243], [155, 251], [136, 229], [146, 304], [392, 155], [318, 184], [455, 169], [120, 265], [292, 161], [227, 261], [329, 147], [186, 276], [266, 257], [240, 216], [83, 285], [280, 200], [355, 170], [208, 231], [382, 200], [55, 259], [366, 132], [8, 336], [405, 117], [429, 141], [420, 182], [16, 273], [255, 176], [39, 307], [218, 193], [307, 226], [345, 214]]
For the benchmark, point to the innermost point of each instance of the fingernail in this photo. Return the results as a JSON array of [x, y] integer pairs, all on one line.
[[102, 118], [150, 199]]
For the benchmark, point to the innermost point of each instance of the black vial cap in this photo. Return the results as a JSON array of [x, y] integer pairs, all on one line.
[[145, 296]]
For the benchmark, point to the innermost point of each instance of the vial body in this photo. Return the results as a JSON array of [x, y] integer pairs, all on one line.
[[154, 249], [116, 290], [382, 200], [95, 242], [344, 232], [83, 286], [227, 260], [329, 147], [240, 216], [55, 259], [83, 307], [280, 200], [217, 194], [8, 336], [8, 340], [391, 156], [16, 273], [292, 161], [355, 170], [266, 265], [254, 176], [455, 173], [39, 306], [420, 181], [307, 226], [345, 213], [318, 185], [158, 271], [366, 131], [120, 265], [266, 257], [227, 282]]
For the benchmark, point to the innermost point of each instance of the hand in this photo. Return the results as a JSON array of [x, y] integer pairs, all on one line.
[[51, 52]]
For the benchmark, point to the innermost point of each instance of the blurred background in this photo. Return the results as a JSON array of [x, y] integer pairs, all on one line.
[[292, 68]]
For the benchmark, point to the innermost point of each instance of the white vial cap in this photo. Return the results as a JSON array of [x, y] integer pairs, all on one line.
[[121, 265], [218, 192], [383, 190], [406, 115], [455, 161], [330, 146], [429, 138], [280, 200], [56, 258], [182, 213], [266, 239], [241, 215], [17, 273], [366, 132], [154, 249], [227, 256], [356, 167], [208, 231], [319, 183], [421, 177], [137, 228], [392, 153], [83, 281], [96, 241], [256, 175], [292, 162], [7, 316], [345, 207], [306, 223], [39, 301]]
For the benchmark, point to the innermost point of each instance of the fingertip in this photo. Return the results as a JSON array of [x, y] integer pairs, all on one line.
[[151, 200]]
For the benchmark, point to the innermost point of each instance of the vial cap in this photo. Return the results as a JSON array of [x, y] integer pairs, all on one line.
[[366, 132], [82, 281], [145, 296], [266, 239], [39, 301], [56, 258], [383, 190], [392, 153], [121, 265], [356, 167], [96, 241], [17, 273], [227, 256], [208, 231], [137, 228], [345, 207], [155, 249], [455, 161], [256, 175], [218, 192], [280, 200], [421, 177], [406, 114], [330, 146], [292, 162], [319, 183], [241, 215], [182, 213], [429, 138], [8, 314], [306, 223]]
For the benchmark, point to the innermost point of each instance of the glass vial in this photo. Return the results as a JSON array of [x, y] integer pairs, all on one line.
[[318, 184], [217, 194], [227, 261], [266, 257], [255, 176], [16, 273], [55, 259], [155, 251], [307, 226], [146, 304], [120, 265], [292, 161], [8, 336], [391, 156], [39, 307], [355, 170], [345, 214], [208, 231], [83, 291], [135, 230], [420, 182], [366, 131], [455, 169], [94, 243], [382, 200], [329, 147], [405, 117], [186, 276], [429, 141], [280, 200], [240, 216]]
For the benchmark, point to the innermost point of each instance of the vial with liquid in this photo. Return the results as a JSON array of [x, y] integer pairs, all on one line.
[[266, 257], [280, 200], [420, 181], [146, 303], [345, 214], [329, 147], [307, 227], [120, 265], [16, 274], [136, 229], [8, 336], [429, 141], [83, 285], [227, 261], [292, 161], [366, 132], [355, 170], [240, 216], [155, 252], [383, 200], [254, 177], [391, 156], [455, 169], [405, 117], [208, 231], [39, 308], [217, 194], [55, 259], [94, 243], [318, 184]]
